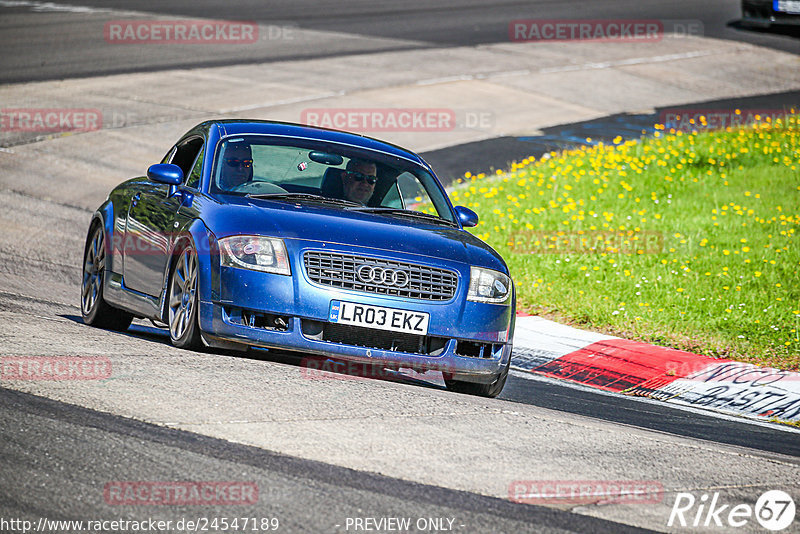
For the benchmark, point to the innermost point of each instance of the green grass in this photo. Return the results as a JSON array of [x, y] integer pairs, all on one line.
[[689, 240]]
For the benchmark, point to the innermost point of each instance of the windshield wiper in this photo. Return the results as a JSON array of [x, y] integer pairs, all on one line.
[[303, 196], [405, 213]]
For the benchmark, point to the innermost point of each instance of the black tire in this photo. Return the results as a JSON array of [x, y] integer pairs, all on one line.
[[94, 309], [491, 390], [184, 330]]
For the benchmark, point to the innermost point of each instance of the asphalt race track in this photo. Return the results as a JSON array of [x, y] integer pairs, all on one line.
[[91, 444], [325, 452], [66, 51]]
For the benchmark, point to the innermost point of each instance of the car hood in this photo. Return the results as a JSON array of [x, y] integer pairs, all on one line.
[[319, 223]]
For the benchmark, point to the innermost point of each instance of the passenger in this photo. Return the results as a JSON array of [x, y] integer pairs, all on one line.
[[358, 181]]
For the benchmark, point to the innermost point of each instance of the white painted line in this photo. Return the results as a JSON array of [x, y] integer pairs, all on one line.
[[284, 102], [447, 79], [510, 73], [50, 7], [572, 68], [629, 61]]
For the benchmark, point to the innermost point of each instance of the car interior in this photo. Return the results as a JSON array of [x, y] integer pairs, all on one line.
[[280, 169]]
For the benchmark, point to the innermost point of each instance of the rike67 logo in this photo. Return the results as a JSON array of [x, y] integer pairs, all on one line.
[[774, 510]]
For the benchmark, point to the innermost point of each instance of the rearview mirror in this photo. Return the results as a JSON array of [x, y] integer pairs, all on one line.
[[325, 158], [466, 216], [165, 173]]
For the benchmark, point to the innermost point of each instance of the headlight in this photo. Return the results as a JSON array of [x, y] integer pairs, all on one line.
[[486, 285], [266, 254]]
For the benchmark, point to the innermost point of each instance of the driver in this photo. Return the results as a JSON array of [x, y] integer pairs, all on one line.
[[358, 180], [237, 166]]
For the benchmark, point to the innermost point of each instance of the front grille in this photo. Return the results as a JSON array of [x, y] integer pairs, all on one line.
[[382, 339], [339, 270]]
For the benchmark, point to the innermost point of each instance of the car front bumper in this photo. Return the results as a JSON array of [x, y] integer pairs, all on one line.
[[468, 341]]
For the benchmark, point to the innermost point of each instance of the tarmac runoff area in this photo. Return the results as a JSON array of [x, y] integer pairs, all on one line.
[[49, 185], [518, 90]]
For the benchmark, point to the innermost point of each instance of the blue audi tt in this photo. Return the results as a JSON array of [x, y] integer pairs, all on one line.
[[276, 235]]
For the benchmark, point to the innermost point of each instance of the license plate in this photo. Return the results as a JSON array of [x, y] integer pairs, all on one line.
[[394, 320], [787, 6]]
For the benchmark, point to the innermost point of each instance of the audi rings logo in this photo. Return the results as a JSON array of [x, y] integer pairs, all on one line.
[[372, 274]]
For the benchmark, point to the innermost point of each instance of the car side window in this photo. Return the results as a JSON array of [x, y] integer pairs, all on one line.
[[194, 177], [186, 154], [412, 192], [392, 198]]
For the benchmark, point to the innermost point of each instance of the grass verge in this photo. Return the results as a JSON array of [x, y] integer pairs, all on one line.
[[687, 240]]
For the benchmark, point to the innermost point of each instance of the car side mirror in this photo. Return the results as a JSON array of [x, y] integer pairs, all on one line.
[[466, 216], [165, 173]]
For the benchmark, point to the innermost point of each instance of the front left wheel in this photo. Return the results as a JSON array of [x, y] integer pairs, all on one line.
[[184, 330], [94, 309]]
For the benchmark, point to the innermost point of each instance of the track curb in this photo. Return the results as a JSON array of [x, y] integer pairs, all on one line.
[[628, 367]]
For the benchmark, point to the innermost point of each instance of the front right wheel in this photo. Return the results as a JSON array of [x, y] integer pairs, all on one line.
[[492, 389]]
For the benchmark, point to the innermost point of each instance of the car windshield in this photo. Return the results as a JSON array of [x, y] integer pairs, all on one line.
[[307, 170]]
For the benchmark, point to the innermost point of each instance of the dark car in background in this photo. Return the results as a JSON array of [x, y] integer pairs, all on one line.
[[765, 13]]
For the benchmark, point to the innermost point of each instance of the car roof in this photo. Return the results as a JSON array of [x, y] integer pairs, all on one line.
[[260, 127]]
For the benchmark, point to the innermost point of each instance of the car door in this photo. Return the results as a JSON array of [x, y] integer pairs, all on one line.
[[149, 227]]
